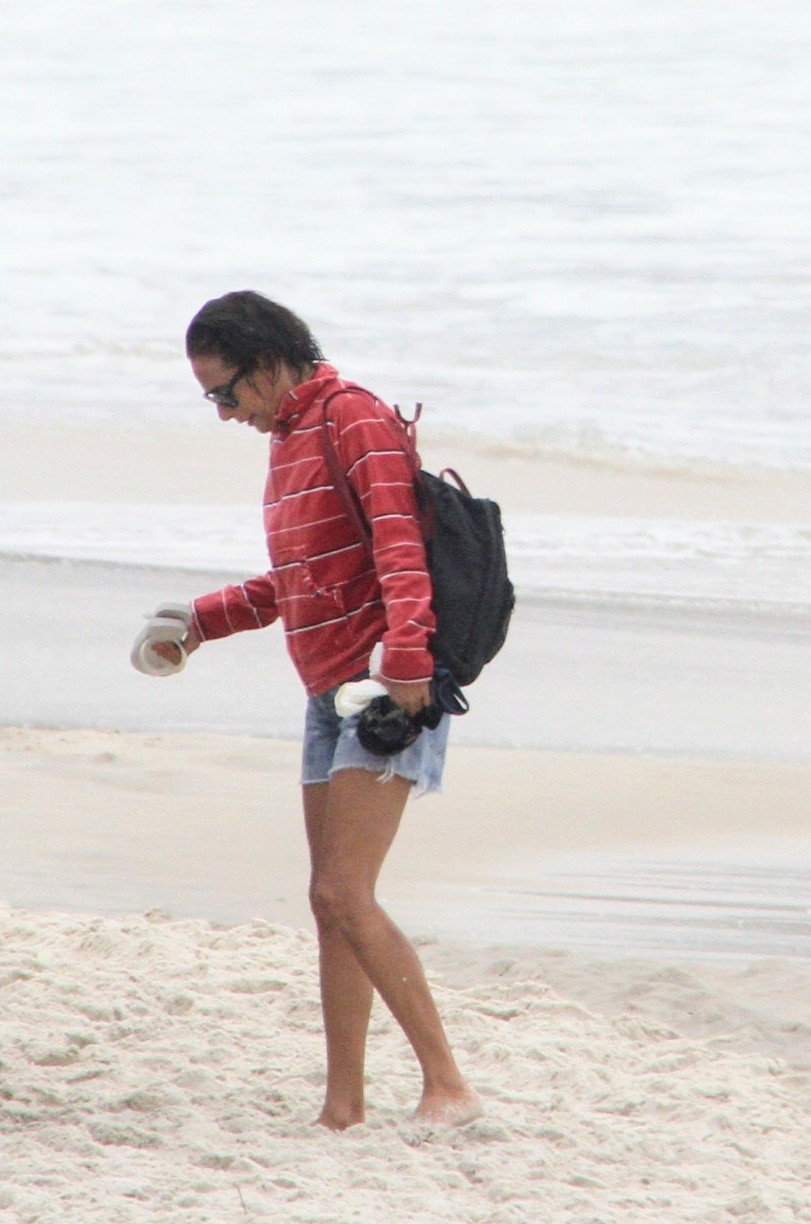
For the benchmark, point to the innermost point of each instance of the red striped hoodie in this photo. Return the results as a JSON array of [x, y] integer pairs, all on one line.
[[336, 601]]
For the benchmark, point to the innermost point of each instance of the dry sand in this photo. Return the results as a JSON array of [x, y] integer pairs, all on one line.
[[166, 1068], [160, 1070], [41, 462]]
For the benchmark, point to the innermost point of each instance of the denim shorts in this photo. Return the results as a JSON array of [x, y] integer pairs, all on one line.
[[331, 743]]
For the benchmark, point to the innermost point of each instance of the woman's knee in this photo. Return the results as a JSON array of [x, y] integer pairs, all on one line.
[[342, 907]]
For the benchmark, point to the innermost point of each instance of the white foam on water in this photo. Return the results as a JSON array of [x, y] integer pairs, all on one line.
[[758, 565], [577, 230]]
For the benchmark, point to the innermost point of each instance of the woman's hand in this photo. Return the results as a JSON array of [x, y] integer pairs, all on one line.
[[171, 651], [411, 697]]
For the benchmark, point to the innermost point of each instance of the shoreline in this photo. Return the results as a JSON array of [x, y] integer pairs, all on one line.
[[525, 848], [568, 679]]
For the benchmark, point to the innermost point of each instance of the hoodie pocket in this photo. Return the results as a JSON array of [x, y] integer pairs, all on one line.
[[307, 592]]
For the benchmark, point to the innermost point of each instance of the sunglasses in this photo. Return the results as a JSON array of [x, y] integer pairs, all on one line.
[[224, 396]]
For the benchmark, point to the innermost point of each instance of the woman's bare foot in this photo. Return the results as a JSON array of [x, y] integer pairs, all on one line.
[[449, 1108], [339, 1120]]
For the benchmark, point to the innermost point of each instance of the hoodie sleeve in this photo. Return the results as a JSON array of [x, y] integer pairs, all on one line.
[[232, 609]]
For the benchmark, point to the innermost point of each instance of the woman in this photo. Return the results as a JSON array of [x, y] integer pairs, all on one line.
[[259, 364]]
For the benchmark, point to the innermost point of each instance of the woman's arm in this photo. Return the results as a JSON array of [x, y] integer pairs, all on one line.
[[235, 608], [231, 609]]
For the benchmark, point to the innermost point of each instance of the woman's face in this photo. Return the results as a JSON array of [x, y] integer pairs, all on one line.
[[250, 399]]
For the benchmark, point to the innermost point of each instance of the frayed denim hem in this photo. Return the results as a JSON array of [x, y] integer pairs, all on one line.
[[417, 788]]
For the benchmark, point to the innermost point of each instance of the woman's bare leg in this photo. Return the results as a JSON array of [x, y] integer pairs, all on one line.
[[346, 995], [355, 830]]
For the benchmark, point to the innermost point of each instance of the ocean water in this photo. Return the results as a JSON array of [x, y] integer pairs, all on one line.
[[572, 230], [623, 562]]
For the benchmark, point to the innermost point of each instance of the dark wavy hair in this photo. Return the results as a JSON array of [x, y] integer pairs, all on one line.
[[247, 330]]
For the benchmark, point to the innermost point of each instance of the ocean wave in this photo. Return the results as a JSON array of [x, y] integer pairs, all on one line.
[[608, 561], [21, 353], [690, 456], [671, 562], [621, 425]]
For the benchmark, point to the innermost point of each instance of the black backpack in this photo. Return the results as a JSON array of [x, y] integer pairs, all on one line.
[[473, 597]]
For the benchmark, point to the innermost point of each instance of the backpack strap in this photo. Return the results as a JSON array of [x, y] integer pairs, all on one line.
[[409, 424], [342, 486], [460, 484]]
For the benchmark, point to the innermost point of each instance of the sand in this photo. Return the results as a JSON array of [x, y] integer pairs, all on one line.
[[209, 826], [611, 897], [47, 461], [168, 1070], [161, 1067]]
